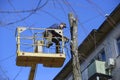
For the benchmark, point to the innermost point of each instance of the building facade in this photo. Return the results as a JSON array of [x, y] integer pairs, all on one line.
[[99, 52]]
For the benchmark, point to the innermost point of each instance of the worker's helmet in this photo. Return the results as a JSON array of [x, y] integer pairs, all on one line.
[[64, 25]]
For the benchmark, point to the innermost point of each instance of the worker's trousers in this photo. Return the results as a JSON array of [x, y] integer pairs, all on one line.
[[50, 38]]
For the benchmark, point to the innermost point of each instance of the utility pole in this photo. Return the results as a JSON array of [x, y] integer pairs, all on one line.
[[74, 47]]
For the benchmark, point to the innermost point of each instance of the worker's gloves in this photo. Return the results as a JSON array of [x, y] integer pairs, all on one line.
[[66, 39]]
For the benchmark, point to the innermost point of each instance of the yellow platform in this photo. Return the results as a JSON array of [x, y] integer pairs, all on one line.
[[48, 60]]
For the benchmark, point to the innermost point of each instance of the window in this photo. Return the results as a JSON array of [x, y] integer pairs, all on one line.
[[101, 56], [118, 45]]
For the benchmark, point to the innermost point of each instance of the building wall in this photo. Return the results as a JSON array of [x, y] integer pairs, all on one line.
[[114, 52], [69, 77], [110, 47]]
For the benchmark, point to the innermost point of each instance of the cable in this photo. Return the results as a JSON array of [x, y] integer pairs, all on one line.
[[51, 15], [10, 23], [20, 70], [94, 36], [80, 22], [54, 3], [7, 58], [70, 7], [67, 51], [26, 11], [15, 9], [61, 6], [38, 4], [4, 73], [101, 12], [81, 56], [86, 21], [77, 18], [66, 4], [30, 14]]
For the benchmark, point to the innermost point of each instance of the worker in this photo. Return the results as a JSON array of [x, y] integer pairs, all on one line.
[[52, 36]]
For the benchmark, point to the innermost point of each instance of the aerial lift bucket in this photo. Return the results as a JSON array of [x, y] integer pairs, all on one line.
[[38, 56]]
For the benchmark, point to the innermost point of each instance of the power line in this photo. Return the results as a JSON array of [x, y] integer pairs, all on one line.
[[4, 73], [10, 23], [85, 31], [20, 70], [70, 7], [15, 9], [101, 12], [61, 6], [66, 46], [50, 14], [54, 3], [26, 11], [7, 58], [30, 14]]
